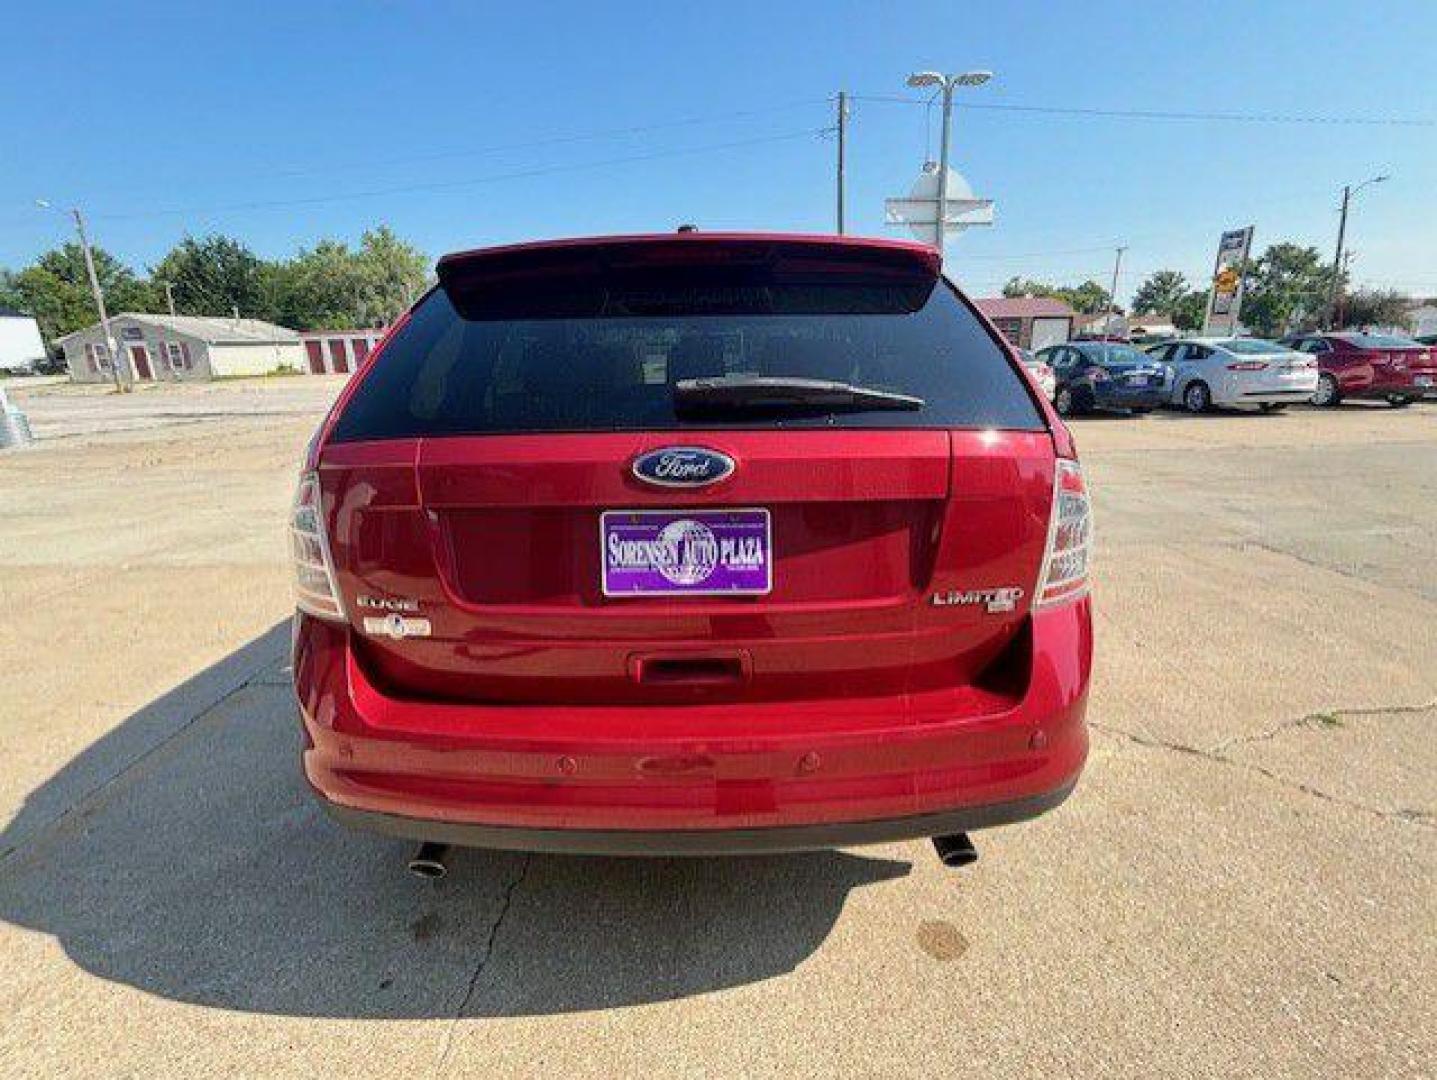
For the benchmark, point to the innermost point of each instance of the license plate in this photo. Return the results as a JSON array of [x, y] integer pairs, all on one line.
[[1137, 380], [1423, 380], [686, 552]]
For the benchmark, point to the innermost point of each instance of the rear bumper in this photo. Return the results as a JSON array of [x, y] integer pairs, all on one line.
[[775, 776], [1404, 385], [1262, 387], [1151, 398], [664, 843], [1286, 396]]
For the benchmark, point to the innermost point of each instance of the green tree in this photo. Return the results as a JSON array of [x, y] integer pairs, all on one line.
[[1161, 293], [56, 291], [1021, 286], [1189, 311], [214, 275], [395, 274], [1089, 298], [1286, 290], [332, 286], [1375, 307], [319, 289]]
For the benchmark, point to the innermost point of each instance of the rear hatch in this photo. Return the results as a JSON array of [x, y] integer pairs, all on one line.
[[664, 470]]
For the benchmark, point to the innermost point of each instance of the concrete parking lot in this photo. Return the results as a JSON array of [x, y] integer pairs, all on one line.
[[1245, 882]]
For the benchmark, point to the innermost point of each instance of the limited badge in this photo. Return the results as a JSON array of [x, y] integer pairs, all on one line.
[[994, 600]]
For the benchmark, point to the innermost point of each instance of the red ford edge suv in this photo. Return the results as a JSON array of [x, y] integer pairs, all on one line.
[[692, 544]]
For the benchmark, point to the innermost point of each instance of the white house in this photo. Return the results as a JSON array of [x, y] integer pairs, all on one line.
[[20, 344], [176, 347]]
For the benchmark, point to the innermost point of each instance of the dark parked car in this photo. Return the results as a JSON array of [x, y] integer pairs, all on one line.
[[691, 544], [1106, 375], [1381, 367]]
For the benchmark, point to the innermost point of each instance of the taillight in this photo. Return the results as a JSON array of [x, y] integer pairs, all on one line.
[[1247, 365], [1070, 536], [315, 589]]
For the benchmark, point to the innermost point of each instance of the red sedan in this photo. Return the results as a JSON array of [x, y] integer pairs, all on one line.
[[1378, 367], [692, 544]]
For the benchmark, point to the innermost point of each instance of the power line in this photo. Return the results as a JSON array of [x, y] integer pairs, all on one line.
[[557, 140], [451, 185], [1167, 114]]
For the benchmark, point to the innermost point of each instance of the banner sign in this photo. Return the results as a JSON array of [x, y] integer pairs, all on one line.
[[1225, 301]]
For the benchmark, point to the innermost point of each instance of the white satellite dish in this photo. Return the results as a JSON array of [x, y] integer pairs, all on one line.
[[919, 211]]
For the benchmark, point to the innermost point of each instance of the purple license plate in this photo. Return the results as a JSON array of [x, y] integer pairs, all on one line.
[[686, 552]]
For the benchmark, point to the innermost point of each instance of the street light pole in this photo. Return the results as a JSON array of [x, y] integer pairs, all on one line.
[[943, 144], [1337, 259], [110, 344], [1334, 289], [96, 292], [947, 84]]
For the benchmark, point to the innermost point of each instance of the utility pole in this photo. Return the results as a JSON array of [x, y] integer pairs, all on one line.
[[842, 150], [1113, 293], [170, 296], [1337, 259], [110, 344], [1335, 288]]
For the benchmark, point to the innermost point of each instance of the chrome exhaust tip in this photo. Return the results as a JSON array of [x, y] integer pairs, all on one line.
[[955, 851], [430, 861]]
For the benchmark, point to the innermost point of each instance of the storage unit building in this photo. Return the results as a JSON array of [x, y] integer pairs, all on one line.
[[1029, 322], [338, 352]]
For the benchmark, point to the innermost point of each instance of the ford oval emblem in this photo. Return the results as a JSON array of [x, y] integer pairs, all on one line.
[[682, 467]]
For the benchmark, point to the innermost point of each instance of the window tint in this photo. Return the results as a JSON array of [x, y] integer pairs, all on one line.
[[444, 375], [1109, 355]]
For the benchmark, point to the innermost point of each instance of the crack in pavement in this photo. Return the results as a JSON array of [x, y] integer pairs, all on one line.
[[1420, 818], [1311, 563], [448, 1043], [1322, 716]]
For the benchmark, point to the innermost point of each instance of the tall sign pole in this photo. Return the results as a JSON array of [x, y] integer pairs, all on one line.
[[1224, 304]]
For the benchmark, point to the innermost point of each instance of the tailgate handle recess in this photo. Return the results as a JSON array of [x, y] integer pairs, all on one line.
[[690, 668]]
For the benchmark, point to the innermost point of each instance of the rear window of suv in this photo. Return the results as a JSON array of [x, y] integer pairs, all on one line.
[[443, 374]]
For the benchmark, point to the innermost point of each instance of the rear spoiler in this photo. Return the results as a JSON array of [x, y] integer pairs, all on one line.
[[689, 273]]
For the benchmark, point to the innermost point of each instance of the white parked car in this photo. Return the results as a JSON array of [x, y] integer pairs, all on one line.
[[1236, 371], [1042, 373]]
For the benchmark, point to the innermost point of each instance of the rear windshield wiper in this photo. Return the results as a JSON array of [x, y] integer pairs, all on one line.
[[785, 392]]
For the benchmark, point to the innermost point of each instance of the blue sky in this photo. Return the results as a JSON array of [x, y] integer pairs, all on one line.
[[335, 116]]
